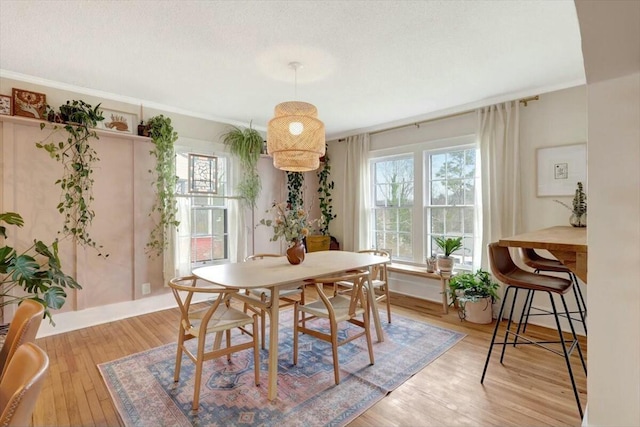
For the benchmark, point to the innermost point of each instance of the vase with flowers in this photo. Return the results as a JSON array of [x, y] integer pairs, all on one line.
[[292, 225]]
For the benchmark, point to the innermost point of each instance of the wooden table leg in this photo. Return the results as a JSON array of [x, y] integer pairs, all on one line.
[[272, 391]]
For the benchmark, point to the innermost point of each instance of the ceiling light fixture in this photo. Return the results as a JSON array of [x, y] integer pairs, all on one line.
[[295, 136]]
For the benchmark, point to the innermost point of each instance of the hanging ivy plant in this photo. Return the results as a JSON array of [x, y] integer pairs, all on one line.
[[295, 181], [324, 195], [246, 145], [166, 206], [78, 159]]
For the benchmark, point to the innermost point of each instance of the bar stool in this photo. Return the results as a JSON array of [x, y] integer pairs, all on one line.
[[539, 263], [505, 270]]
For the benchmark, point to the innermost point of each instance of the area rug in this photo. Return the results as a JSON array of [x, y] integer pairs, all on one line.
[[144, 393]]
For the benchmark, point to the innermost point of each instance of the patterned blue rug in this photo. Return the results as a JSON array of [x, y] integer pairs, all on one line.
[[144, 393]]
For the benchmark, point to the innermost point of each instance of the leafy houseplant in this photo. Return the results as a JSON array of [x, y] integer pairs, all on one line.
[[246, 144], [163, 137], [324, 195], [448, 246], [295, 182], [469, 289], [78, 159], [578, 209], [37, 271]]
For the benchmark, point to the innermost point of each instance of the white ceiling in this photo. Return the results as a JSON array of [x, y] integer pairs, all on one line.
[[367, 65]]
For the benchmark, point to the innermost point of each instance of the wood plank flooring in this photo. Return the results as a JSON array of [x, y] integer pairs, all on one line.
[[531, 388]]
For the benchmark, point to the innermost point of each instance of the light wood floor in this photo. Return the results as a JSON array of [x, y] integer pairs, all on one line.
[[531, 388]]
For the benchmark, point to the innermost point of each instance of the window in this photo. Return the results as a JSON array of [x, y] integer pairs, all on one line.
[[204, 234], [450, 201], [393, 206], [423, 194]]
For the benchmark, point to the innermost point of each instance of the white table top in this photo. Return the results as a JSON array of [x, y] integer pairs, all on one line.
[[269, 272]]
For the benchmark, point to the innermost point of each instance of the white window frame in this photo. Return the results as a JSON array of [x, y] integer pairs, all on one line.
[[419, 152]]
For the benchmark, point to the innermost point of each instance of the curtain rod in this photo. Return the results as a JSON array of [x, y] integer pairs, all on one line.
[[524, 101]]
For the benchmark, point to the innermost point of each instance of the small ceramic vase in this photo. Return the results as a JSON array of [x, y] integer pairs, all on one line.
[[295, 253]]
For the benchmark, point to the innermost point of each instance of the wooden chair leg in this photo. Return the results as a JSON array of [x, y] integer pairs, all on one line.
[[198, 375], [256, 350], [228, 344], [386, 292], [176, 373], [263, 326], [367, 332], [295, 333]]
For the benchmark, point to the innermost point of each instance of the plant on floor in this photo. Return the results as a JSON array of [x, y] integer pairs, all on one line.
[[467, 288], [36, 271], [165, 205], [246, 145], [78, 159], [324, 195]]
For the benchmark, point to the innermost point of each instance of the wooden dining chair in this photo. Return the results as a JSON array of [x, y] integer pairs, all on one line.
[[287, 296], [379, 280], [217, 316], [21, 384], [24, 328], [338, 308]]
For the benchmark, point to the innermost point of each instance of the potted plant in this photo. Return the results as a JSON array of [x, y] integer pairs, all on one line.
[[36, 272], [78, 158], [165, 205], [246, 145], [322, 241], [578, 209], [447, 245], [474, 293]]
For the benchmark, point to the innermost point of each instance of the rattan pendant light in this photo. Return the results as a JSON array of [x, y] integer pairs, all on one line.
[[295, 136]]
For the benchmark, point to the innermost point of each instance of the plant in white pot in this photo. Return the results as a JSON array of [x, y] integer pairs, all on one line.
[[447, 246], [474, 293]]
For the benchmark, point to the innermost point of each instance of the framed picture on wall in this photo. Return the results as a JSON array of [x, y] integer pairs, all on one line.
[[118, 121], [29, 104], [5, 105], [560, 168]]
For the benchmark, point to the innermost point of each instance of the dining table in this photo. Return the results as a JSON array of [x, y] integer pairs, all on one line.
[[568, 244], [277, 273]]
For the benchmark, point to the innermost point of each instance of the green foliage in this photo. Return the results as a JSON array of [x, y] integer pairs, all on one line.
[[78, 159], [246, 145], [37, 271], [579, 201], [166, 206], [448, 245], [324, 195], [472, 287], [295, 182], [293, 224]]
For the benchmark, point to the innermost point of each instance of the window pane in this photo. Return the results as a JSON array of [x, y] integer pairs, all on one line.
[[455, 164], [438, 166], [405, 246], [453, 222], [404, 220], [468, 220], [455, 192], [437, 220], [469, 192], [470, 163], [438, 195]]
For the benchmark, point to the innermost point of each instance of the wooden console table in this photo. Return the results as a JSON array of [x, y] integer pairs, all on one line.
[[568, 244], [422, 272]]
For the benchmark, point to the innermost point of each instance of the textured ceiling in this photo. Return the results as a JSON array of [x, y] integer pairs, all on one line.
[[366, 64]]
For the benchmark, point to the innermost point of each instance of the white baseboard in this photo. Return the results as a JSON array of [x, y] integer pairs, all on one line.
[[73, 320]]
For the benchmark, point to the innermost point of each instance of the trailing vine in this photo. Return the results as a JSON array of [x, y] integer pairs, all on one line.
[[324, 195], [78, 159], [166, 180], [246, 145], [295, 182]]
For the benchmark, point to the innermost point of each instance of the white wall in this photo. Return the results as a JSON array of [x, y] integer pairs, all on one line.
[[614, 252]]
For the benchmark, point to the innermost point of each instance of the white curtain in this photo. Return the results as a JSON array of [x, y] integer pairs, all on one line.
[[177, 255], [356, 200], [498, 139], [238, 230]]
